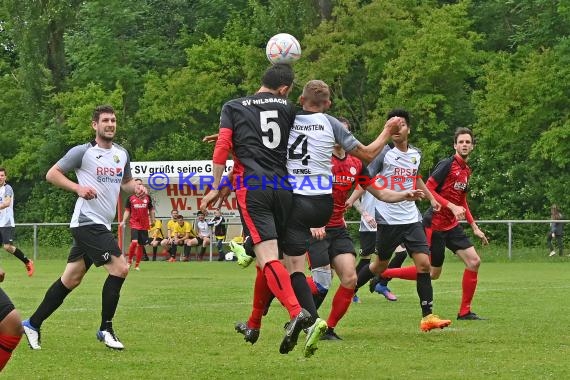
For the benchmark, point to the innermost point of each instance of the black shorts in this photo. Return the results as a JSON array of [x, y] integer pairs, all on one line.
[[336, 242], [6, 305], [94, 243], [141, 236], [200, 239], [454, 239], [156, 240], [412, 236], [7, 234], [264, 212], [367, 243], [307, 212]]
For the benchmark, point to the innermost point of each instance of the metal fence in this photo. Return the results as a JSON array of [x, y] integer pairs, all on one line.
[[508, 223]]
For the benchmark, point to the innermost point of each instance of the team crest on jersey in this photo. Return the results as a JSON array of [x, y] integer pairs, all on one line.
[[414, 160], [116, 159], [352, 170]]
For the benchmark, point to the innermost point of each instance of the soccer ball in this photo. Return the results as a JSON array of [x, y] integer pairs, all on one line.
[[229, 256], [283, 48]]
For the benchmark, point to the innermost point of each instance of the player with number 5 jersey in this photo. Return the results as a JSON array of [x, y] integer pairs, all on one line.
[[255, 129]]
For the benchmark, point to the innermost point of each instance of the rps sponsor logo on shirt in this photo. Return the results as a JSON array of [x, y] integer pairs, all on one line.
[[109, 174]]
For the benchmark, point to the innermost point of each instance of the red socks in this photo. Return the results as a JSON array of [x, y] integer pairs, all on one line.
[[340, 304], [132, 249], [139, 254], [279, 282], [312, 285], [261, 297], [7, 344], [469, 284], [405, 273]]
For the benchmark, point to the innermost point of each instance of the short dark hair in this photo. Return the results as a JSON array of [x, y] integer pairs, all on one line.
[[399, 112], [463, 131], [101, 109], [179, 216], [280, 74], [2, 170], [345, 121], [199, 213]]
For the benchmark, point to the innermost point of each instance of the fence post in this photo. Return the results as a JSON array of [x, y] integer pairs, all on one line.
[[510, 227], [212, 238], [35, 241]]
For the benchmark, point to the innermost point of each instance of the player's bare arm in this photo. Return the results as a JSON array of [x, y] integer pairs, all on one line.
[[214, 194], [420, 184], [367, 152], [5, 203], [129, 186], [458, 211], [356, 194], [480, 234], [369, 219], [126, 216], [391, 196], [56, 177], [210, 139]]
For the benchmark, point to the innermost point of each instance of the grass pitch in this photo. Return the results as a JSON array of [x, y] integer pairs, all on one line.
[[176, 321]]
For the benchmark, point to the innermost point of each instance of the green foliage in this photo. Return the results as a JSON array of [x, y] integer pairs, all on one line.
[[522, 112], [168, 67]]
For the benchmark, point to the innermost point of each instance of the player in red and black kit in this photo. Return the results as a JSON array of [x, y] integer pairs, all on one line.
[[255, 129], [10, 326], [332, 244], [140, 209], [449, 185]]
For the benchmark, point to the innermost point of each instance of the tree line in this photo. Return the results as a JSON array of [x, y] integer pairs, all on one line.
[[499, 67]]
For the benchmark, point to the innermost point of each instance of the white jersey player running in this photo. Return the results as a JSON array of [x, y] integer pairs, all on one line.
[[397, 168], [102, 169]]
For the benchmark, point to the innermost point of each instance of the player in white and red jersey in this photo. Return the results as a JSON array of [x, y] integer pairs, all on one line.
[[103, 170], [397, 167], [332, 244], [140, 209]]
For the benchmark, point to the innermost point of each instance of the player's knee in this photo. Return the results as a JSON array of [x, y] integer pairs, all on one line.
[[349, 281], [435, 274], [12, 324], [473, 263], [423, 266], [378, 266], [119, 268], [8, 247]]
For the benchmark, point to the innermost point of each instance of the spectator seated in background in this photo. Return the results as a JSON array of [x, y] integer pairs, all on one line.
[[170, 226], [155, 233], [218, 223], [202, 234]]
